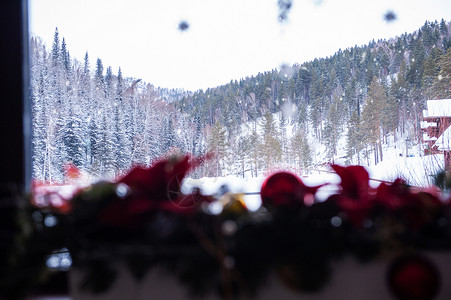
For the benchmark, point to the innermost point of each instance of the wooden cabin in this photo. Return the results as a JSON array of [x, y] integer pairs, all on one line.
[[436, 129]]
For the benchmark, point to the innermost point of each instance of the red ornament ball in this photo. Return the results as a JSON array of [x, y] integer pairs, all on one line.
[[413, 277]]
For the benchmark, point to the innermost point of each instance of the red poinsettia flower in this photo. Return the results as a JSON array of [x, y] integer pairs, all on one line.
[[355, 198], [286, 189], [150, 188], [395, 195], [421, 209], [354, 181], [417, 207]]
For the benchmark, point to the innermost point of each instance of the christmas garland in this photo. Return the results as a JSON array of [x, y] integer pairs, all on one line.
[[216, 245]]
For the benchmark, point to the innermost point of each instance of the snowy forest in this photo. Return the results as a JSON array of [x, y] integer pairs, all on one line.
[[104, 122]]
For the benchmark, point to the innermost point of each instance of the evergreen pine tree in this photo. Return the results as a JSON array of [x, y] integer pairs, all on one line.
[[65, 56], [40, 111], [73, 139], [86, 64], [123, 150], [443, 28], [414, 74], [431, 72], [109, 84], [271, 145], [99, 72], [217, 144], [56, 48], [355, 138], [300, 150], [242, 154], [442, 84], [331, 131], [303, 83], [372, 116], [255, 146], [169, 140]]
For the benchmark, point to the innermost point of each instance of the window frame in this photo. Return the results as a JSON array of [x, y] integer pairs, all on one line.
[[15, 115]]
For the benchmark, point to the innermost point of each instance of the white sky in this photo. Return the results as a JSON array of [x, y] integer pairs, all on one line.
[[227, 39]]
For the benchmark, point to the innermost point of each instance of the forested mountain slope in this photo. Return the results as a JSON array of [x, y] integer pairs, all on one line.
[[103, 123]]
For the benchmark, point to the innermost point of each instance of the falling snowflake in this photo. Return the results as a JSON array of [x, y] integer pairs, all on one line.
[[390, 16], [284, 8], [183, 26]]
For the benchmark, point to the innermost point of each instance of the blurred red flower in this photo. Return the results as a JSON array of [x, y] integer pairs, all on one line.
[[395, 195], [151, 188], [286, 189], [355, 197]]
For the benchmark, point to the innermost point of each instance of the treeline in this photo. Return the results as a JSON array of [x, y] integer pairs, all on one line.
[[103, 122]]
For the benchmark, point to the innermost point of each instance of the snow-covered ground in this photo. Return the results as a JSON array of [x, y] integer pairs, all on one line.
[[401, 159], [416, 170]]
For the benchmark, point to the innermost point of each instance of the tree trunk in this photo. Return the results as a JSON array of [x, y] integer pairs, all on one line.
[[380, 150], [394, 134], [375, 153]]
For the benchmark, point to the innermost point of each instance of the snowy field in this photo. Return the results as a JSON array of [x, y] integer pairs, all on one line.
[[400, 160], [416, 170]]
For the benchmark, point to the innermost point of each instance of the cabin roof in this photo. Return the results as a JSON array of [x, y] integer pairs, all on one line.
[[438, 108], [443, 143]]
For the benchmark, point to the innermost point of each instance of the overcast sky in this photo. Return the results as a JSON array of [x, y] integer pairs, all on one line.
[[225, 40]]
